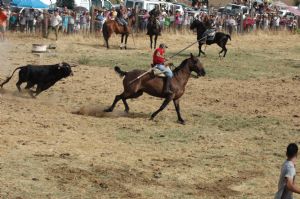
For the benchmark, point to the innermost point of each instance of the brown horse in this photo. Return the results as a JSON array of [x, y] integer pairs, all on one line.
[[154, 85], [112, 26]]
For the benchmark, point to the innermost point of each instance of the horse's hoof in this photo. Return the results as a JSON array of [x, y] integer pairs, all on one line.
[[108, 110], [181, 122], [126, 111]]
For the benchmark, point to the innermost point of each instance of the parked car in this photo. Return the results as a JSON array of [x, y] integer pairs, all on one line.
[[234, 9]]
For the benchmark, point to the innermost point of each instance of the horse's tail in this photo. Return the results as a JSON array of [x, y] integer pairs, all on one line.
[[228, 36], [8, 78], [120, 72]]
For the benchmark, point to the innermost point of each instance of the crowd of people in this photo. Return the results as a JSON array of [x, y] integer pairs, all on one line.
[[261, 16]]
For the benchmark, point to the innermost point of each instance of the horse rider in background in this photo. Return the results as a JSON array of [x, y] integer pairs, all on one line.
[[121, 17], [154, 17], [210, 32]]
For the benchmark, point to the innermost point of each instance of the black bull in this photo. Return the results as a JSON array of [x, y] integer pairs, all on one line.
[[44, 76]]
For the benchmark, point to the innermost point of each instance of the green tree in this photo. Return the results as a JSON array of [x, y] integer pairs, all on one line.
[[66, 3], [297, 2]]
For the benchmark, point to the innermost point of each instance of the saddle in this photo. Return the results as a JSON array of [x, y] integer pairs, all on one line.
[[119, 21], [211, 35], [157, 72]]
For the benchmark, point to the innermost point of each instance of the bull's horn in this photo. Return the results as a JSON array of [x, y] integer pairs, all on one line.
[[74, 65]]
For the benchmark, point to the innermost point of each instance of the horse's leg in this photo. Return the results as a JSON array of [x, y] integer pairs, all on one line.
[[220, 53], [117, 98], [177, 107], [136, 95], [126, 37], [225, 51], [151, 40], [200, 49], [155, 40], [122, 38], [162, 107]]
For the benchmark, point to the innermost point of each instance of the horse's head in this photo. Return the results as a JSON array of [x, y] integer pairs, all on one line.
[[131, 19], [194, 24], [197, 24], [196, 66]]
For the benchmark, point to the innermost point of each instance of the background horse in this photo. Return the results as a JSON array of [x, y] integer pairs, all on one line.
[[154, 85], [220, 38], [153, 30], [112, 26]]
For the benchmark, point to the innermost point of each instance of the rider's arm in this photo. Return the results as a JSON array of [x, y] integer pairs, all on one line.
[[159, 55], [291, 186]]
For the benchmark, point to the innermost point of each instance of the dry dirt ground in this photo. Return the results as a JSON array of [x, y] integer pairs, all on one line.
[[240, 118]]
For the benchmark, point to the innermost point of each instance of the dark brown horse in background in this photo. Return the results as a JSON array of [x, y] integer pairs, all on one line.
[[112, 26], [220, 38], [154, 85], [153, 30]]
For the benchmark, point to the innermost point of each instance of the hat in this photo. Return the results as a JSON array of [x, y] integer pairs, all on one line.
[[162, 45]]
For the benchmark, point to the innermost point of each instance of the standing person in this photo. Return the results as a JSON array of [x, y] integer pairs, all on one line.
[[30, 20], [3, 18], [65, 22], [99, 21], [71, 22], [13, 21], [22, 21], [39, 23], [83, 22], [55, 22], [286, 184]]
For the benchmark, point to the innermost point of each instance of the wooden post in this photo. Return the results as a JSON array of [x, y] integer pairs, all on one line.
[[92, 12]]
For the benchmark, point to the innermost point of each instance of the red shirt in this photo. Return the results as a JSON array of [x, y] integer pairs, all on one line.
[[3, 18], [157, 59]]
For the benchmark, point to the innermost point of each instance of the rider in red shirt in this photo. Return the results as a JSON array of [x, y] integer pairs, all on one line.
[[159, 62]]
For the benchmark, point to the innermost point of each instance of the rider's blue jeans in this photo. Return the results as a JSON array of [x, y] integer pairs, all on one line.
[[166, 70]]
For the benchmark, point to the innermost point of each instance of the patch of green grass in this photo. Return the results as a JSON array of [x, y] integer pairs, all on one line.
[[198, 124], [84, 60]]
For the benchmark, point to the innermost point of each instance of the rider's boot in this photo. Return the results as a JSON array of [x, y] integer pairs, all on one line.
[[167, 89]]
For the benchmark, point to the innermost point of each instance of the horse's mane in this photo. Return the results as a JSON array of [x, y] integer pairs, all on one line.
[[178, 68]]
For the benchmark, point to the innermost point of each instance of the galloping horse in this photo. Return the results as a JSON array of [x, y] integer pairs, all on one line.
[[134, 88], [220, 38], [153, 30], [112, 26]]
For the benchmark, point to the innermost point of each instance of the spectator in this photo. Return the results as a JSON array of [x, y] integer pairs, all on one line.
[[55, 22], [39, 23], [30, 20], [83, 22], [3, 18], [65, 22], [71, 23], [13, 21], [286, 184], [99, 21], [23, 21]]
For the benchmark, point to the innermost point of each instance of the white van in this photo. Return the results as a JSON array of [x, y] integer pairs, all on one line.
[[142, 4], [83, 3]]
